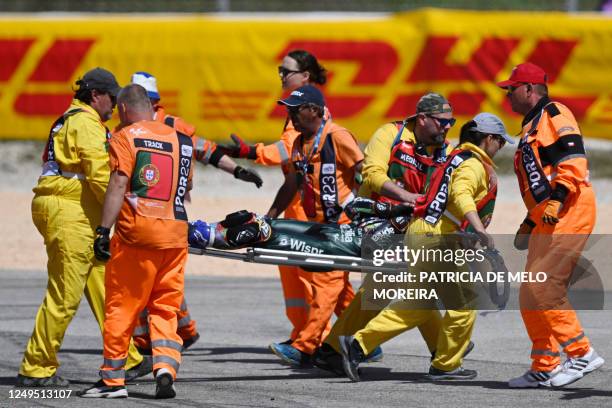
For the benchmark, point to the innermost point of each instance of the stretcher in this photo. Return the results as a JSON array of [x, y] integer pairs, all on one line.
[[312, 246], [498, 293], [308, 261], [316, 247]]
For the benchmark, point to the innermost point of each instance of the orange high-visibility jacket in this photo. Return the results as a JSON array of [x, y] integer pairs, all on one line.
[[329, 169], [551, 153], [158, 161], [205, 151]]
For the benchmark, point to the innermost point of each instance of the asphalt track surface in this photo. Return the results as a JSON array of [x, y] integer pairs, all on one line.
[[231, 366]]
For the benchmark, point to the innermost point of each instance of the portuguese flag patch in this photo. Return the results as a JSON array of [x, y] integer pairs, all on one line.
[[152, 176]]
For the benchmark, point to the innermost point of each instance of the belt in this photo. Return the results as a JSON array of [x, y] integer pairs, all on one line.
[[65, 174], [70, 175], [51, 168]]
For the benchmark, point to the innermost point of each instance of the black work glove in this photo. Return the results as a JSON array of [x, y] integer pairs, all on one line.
[[366, 207], [361, 207], [521, 239], [101, 244], [485, 239], [401, 210], [238, 149], [248, 175]]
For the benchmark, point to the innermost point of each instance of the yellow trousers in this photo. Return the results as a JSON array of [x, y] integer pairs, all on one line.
[[454, 329], [453, 338], [355, 318], [67, 227]]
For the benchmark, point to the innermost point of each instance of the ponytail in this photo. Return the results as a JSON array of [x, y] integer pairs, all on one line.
[[308, 63]]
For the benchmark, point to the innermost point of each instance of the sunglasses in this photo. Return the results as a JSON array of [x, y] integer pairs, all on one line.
[[294, 110], [444, 122], [284, 72], [511, 88]]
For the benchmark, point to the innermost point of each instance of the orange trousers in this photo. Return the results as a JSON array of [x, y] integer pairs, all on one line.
[[549, 318], [331, 292], [297, 292], [138, 278], [186, 328]]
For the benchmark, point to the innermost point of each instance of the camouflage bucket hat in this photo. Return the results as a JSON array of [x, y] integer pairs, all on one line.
[[430, 104]]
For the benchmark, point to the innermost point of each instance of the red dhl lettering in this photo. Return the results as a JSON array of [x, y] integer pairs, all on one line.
[[552, 56], [11, 54], [58, 64], [484, 65], [377, 61], [61, 60]]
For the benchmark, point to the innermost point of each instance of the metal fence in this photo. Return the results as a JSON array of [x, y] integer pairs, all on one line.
[[207, 6]]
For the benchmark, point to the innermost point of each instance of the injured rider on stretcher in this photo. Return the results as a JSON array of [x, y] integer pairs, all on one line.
[[369, 219], [374, 224]]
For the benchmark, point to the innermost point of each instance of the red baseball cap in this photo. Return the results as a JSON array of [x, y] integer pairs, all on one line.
[[526, 73]]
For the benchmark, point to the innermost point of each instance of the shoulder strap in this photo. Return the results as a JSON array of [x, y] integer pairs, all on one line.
[[400, 129], [486, 205], [525, 159], [185, 161], [169, 121], [432, 205], [49, 153], [550, 108], [328, 184]]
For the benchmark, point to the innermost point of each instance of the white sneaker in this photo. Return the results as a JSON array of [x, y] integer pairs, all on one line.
[[101, 390], [534, 379], [576, 368]]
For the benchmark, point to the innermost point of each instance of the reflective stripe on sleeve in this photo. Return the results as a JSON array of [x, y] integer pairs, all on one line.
[[282, 152]]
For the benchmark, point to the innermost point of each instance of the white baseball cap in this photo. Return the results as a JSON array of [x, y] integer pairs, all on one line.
[[148, 82]]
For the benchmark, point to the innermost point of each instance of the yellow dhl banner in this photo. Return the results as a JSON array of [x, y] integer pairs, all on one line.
[[220, 73]]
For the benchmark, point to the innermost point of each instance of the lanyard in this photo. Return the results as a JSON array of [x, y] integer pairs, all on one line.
[[303, 163], [399, 134]]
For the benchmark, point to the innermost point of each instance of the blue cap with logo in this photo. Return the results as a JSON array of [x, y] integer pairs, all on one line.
[[303, 95]]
